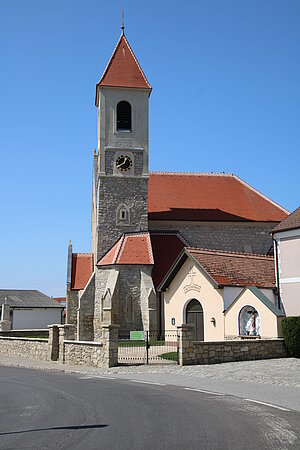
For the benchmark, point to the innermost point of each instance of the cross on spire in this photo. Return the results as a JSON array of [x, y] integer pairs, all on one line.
[[123, 26]]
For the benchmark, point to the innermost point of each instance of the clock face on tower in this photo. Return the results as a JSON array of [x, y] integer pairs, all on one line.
[[123, 163]]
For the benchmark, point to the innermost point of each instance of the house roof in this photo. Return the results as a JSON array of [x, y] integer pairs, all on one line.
[[262, 297], [208, 197], [133, 248], [227, 268], [82, 269], [18, 298], [123, 69], [291, 222], [59, 299], [166, 247], [236, 269]]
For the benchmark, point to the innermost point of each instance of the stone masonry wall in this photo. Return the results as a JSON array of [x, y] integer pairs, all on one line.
[[237, 237], [86, 312], [114, 191], [25, 347], [101, 278], [129, 283], [72, 305], [84, 353], [196, 352], [96, 354], [62, 346]]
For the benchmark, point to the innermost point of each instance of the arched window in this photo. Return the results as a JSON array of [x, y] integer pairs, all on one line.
[[123, 116], [129, 309]]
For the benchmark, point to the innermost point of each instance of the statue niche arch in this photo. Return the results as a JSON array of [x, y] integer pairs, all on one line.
[[194, 315], [249, 321]]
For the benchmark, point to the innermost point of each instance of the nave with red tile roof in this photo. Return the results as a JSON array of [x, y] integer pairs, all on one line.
[[208, 197]]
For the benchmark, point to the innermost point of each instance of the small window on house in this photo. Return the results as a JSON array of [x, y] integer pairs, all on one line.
[[123, 116]]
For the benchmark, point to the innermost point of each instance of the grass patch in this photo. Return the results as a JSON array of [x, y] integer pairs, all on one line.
[[128, 343], [171, 356]]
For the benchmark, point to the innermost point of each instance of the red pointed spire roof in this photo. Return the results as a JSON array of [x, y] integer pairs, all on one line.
[[123, 69]]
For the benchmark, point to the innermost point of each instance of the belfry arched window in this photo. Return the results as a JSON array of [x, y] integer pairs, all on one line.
[[123, 116]]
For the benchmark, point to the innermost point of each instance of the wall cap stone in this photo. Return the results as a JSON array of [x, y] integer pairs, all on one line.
[[91, 343], [15, 338], [238, 342]]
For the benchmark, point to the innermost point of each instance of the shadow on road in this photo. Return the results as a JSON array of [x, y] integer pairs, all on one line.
[[74, 427]]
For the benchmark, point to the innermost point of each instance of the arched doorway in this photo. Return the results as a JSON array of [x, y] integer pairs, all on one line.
[[194, 315], [249, 321]]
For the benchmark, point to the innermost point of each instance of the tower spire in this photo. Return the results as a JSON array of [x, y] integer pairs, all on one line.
[[123, 27]]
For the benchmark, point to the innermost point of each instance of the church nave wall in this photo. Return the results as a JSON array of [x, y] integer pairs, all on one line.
[[236, 237]]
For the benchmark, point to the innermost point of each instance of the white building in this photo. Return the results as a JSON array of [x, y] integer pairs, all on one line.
[[286, 238], [30, 309]]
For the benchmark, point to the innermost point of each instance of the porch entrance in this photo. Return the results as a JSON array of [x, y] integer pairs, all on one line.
[[147, 347], [194, 315]]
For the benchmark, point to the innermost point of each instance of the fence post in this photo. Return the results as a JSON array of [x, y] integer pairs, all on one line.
[[66, 332], [110, 339], [147, 347], [53, 342], [186, 336]]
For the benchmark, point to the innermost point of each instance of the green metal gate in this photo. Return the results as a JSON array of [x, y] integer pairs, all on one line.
[[148, 347]]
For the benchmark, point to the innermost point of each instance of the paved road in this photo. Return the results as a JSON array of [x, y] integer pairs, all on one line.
[[45, 410]]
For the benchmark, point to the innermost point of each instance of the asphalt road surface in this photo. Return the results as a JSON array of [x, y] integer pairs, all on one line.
[[45, 410]]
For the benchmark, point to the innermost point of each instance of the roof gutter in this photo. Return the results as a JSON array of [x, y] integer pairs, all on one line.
[[277, 272]]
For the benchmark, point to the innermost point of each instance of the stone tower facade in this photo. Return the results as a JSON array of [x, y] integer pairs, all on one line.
[[120, 169]]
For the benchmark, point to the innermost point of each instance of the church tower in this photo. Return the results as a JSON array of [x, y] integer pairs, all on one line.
[[120, 170]]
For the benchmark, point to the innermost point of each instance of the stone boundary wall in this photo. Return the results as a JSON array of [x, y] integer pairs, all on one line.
[[214, 352], [62, 346], [25, 347], [85, 353]]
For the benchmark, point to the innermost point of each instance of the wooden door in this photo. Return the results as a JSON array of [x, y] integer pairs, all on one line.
[[194, 315]]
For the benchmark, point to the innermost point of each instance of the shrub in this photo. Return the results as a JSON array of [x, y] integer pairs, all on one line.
[[291, 334]]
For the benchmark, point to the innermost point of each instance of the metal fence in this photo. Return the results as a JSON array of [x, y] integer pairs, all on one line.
[[148, 347]]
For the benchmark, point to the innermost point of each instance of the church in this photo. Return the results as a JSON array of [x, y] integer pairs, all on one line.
[[167, 248]]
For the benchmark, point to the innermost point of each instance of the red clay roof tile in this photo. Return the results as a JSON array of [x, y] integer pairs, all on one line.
[[82, 269], [59, 299], [123, 69], [129, 249], [208, 197], [166, 247], [236, 269]]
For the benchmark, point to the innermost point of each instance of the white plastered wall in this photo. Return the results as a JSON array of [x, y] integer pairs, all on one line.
[[269, 322], [31, 318], [289, 270], [176, 301]]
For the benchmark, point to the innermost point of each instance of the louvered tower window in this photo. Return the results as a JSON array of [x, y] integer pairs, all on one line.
[[123, 116]]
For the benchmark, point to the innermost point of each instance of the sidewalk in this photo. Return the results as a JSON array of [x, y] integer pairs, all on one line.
[[275, 380]]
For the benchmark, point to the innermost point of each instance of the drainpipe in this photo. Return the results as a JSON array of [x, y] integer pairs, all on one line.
[[160, 313], [69, 279], [277, 271]]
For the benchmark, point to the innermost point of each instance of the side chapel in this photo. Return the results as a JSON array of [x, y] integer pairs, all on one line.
[[167, 248]]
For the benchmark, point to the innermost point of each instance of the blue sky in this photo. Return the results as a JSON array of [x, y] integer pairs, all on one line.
[[226, 97]]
